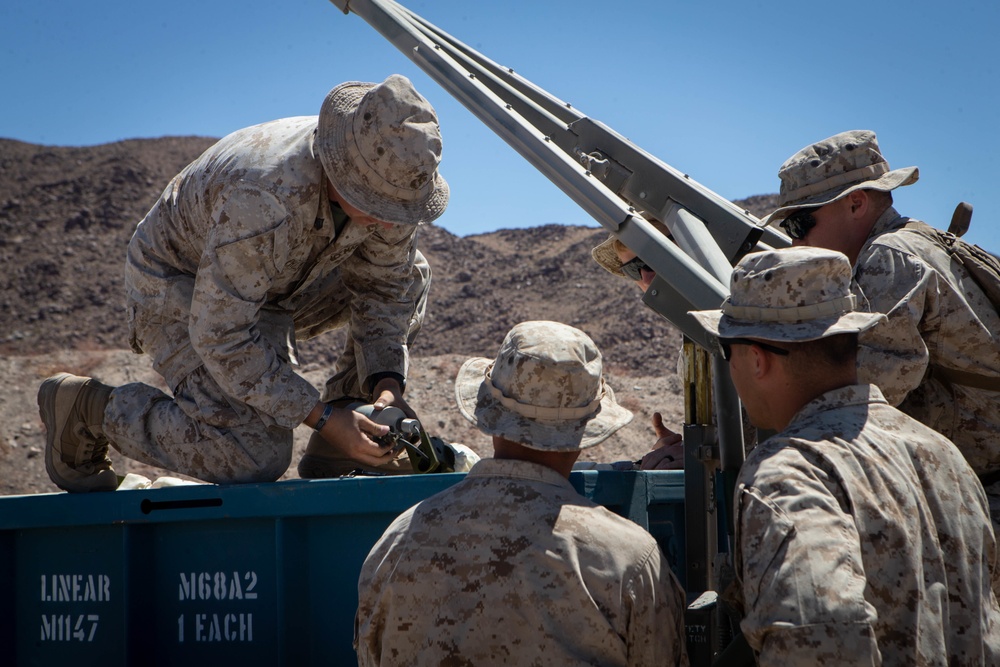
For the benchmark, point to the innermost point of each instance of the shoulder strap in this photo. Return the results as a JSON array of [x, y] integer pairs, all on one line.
[[984, 268], [949, 376]]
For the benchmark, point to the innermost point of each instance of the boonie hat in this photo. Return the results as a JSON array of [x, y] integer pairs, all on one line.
[[606, 255], [380, 145], [792, 294], [545, 390], [833, 168]]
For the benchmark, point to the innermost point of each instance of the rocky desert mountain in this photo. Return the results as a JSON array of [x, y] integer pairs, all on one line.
[[66, 216]]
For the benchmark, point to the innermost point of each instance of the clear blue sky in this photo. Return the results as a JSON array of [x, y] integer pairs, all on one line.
[[721, 90]]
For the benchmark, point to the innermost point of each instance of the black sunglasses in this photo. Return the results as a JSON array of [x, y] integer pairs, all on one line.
[[727, 346], [798, 224], [339, 215], [633, 268]]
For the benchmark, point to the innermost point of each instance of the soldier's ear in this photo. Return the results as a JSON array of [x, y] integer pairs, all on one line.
[[761, 363], [859, 202]]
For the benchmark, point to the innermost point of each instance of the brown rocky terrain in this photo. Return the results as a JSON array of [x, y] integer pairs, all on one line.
[[66, 216]]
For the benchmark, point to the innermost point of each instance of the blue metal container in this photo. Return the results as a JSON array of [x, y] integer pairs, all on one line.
[[261, 574]]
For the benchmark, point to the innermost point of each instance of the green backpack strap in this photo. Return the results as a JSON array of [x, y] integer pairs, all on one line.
[[950, 376]]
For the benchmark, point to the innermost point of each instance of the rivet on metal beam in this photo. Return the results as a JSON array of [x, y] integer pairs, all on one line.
[[642, 195]]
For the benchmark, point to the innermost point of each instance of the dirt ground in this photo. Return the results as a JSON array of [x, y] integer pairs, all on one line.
[[430, 391], [67, 214]]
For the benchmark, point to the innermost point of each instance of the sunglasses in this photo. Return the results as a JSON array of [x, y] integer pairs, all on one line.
[[633, 268], [798, 224], [339, 215], [727, 346]]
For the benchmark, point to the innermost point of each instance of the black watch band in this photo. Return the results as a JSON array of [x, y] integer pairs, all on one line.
[[323, 418]]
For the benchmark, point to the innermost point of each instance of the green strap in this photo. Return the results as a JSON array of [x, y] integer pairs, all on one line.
[[950, 376]]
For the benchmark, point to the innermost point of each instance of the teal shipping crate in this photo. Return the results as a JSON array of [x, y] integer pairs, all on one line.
[[261, 574]]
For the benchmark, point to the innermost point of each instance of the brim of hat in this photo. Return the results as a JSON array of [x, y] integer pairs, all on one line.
[[335, 130], [888, 181], [606, 255], [722, 326], [478, 405]]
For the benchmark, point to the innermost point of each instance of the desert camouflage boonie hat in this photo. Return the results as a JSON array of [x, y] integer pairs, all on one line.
[[606, 252], [545, 390], [380, 145], [606, 255], [833, 168], [793, 294]]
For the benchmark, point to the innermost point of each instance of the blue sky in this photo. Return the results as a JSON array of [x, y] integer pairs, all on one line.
[[722, 90]]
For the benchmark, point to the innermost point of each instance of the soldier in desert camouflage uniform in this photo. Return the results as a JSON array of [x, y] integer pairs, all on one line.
[[937, 357], [279, 231], [862, 536], [512, 566], [618, 259]]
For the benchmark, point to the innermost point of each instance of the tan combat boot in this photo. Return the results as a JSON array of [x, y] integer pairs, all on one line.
[[76, 449]]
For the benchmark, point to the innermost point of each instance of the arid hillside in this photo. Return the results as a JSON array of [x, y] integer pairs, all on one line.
[[66, 215]]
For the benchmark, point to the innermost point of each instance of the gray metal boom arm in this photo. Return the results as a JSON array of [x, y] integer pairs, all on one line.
[[587, 161], [622, 187]]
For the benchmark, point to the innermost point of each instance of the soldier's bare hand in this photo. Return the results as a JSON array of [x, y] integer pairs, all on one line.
[[668, 451], [350, 435], [388, 392]]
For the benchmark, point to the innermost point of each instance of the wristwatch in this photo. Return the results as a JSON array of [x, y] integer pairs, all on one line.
[[323, 418]]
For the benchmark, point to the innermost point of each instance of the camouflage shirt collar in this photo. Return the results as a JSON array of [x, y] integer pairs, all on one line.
[[854, 394], [889, 221], [516, 469]]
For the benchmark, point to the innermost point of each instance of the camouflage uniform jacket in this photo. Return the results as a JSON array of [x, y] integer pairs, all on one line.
[[937, 317], [863, 538], [242, 234], [512, 566]]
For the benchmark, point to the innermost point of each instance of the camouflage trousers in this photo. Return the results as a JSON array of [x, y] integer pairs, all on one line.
[[202, 432]]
